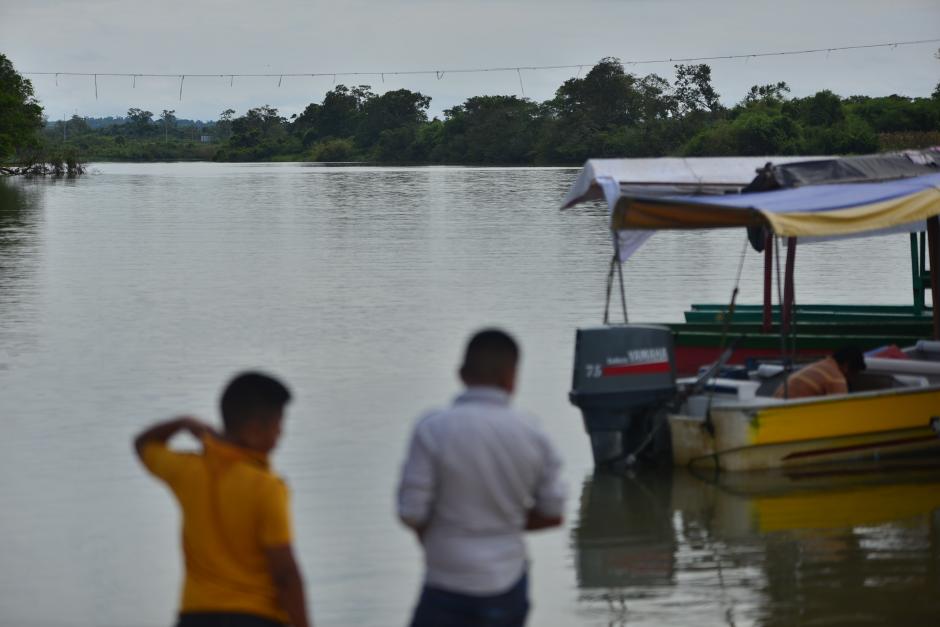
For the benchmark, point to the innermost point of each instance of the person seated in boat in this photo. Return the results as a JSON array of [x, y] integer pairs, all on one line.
[[825, 377]]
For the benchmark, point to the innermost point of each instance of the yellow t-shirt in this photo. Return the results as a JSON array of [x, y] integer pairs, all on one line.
[[233, 508]]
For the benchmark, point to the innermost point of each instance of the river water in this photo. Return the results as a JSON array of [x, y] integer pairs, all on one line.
[[129, 295]]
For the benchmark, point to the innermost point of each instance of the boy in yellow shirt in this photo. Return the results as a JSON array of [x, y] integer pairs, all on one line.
[[240, 566]]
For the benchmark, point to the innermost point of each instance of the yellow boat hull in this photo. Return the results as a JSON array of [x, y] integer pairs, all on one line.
[[871, 425]]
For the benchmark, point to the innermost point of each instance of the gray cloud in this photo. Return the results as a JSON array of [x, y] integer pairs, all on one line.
[[387, 35]]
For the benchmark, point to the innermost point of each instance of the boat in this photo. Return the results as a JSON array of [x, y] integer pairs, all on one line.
[[630, 379], [820, 328]]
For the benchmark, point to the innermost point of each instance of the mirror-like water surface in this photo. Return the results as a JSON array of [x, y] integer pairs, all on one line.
[[130, 295]]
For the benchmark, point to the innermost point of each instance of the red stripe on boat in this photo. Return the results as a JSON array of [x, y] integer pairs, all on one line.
[[620, 370], [861, 447]]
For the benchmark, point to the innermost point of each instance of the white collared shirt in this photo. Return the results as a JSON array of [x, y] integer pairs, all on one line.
[[472, 474]]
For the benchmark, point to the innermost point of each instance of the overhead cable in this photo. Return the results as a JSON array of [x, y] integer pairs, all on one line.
[[439, 73]]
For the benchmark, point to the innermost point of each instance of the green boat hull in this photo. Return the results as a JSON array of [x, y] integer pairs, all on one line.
[[818, 330]]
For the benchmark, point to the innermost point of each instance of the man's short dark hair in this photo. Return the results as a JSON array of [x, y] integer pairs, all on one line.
[[249, 396], [851, 357], [489, 353]]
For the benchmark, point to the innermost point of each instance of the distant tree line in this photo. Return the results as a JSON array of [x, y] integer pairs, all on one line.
[[606, 113], [137, 136]]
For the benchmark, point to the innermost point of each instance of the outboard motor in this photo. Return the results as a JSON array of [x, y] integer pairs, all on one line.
[[622, 377]]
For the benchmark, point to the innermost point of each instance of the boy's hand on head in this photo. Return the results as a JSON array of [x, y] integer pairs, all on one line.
[[197, 427], [163, 431]]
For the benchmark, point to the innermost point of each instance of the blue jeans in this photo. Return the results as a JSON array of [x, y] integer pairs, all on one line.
[[437, 608]]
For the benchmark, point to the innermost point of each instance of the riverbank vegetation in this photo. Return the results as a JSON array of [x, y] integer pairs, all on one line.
[[608, 112], [138, 136], [22, 149]]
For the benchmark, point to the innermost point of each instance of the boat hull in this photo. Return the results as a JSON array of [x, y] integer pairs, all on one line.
[[818, 330], [868, 426]]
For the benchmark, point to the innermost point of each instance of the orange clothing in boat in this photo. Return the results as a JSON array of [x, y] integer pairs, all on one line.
[[819, 379]]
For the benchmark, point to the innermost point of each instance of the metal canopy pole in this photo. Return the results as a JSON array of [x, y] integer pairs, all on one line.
[[933, 239], [768, 282], [788, 287], [917, 282]]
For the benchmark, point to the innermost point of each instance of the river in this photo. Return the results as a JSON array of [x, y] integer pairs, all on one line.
[[132, 293]]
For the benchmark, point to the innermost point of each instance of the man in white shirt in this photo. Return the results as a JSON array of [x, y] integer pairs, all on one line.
[[477, 475]]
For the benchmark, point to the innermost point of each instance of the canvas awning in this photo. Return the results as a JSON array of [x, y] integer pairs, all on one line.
[[601, 178], [646, 195], [838, 209]]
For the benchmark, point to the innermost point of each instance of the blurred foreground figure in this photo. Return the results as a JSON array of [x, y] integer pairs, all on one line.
[[240, 567], [477, 475]]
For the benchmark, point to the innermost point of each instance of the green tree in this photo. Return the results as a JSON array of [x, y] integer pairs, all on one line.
[[607, 95], [823, 108], [490, 129], [598, 115], [168, 117], [893, 114], [770, 94], [401, 111], [259, 134], [759, 133], [716, 140], [223, 128], [76, 126], [333, 150], [139, 122], [340, 113], [851, 135], [20, 112], [693, 90]]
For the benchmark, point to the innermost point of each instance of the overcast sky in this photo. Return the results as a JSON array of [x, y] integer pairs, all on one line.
[[274, 36]]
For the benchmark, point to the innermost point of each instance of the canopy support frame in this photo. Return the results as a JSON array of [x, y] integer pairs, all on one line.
[[933, 239], [616, 265], [788, 287], [768, 282]]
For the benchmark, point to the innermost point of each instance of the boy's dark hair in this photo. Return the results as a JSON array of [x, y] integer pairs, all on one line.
[[851, 357], [249, 396], [489, 353]]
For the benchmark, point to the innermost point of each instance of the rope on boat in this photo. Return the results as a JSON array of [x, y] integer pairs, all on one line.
[[729, 316], [616, 265], [659, 417]]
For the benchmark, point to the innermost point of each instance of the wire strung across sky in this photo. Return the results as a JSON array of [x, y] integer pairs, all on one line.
[[440, 73]]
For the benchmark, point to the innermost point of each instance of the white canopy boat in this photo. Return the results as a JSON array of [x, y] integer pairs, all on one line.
[[625, 375]]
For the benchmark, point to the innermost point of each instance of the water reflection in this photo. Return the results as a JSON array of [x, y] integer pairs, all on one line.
[[815, 547], [18, 253], [128, 295]]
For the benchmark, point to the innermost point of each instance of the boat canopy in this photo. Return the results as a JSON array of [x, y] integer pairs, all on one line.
[[815, 198], [838, 209], [607, 178]]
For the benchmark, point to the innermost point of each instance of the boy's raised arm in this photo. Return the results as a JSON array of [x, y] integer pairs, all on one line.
[[163, 431], [289, 584]]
